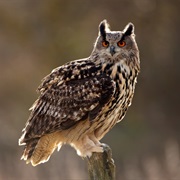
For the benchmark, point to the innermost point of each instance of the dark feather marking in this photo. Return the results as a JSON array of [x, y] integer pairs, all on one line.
[[108, 66], [67, 124]]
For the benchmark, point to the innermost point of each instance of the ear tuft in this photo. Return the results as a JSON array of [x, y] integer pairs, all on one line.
[[129, 29], [103, 28]]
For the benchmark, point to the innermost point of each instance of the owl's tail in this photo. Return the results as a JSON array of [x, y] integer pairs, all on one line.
[[39, 150]]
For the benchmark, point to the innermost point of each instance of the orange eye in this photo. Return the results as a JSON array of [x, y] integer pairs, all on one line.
[[121, 43], [105, 43]]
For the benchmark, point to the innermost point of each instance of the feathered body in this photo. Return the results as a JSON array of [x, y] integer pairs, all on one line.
[[82, 100]]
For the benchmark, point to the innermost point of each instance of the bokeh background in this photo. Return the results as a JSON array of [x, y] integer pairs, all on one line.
[[37, 36]]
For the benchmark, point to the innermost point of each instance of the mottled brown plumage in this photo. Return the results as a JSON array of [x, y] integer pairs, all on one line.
[[82, 100]]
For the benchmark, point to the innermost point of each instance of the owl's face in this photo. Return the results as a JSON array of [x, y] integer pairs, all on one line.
[[116, 44]]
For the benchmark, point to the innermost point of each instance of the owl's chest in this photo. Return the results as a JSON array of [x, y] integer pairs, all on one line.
[[122, 98], [116, 109], [125, 79]]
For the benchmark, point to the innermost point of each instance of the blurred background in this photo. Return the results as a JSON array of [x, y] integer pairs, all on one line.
[[37, 36]]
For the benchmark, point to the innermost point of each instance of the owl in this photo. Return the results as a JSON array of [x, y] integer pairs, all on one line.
[[82, 100]]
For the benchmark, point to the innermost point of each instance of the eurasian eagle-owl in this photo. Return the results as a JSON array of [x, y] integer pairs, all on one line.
[[82, 100]]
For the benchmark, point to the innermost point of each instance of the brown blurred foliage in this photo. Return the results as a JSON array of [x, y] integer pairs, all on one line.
[[37, 36]]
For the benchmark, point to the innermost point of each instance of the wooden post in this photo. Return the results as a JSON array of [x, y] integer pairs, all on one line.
[[101, 165]]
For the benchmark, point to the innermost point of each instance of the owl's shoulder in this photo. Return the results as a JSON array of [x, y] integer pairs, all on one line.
[[73, 70]]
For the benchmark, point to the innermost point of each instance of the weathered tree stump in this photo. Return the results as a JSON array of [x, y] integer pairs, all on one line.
[[101, 165]]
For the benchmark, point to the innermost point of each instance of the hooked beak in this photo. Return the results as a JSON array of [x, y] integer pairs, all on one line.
[[112, 50]]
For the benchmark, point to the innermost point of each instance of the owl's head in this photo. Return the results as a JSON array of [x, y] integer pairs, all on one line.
[[115, 44]]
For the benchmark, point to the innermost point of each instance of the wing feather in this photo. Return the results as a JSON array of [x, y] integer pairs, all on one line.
[[66, 100]]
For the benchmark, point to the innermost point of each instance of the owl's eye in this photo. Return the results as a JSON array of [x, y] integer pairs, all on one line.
[[105, 43], [121, 43]]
